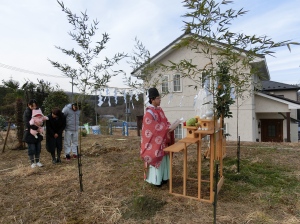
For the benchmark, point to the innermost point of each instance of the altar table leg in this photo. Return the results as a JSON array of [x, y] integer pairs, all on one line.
[[184, 169], [199, 167], [171, 173]]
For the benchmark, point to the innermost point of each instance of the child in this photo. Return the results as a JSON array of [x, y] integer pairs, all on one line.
[[36, 122]]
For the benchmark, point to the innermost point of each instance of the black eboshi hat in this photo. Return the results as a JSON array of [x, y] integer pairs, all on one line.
[[153, 93]]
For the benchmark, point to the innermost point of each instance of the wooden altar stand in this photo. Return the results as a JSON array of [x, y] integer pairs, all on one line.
[[195, 136]]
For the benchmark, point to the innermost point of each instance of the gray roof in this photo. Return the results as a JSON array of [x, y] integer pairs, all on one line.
[[273, 86]]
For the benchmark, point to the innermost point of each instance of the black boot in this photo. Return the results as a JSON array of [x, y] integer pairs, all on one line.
[[53, 158], [165, 181], [58, 157]]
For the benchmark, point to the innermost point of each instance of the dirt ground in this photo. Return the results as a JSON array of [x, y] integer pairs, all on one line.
[[114, 190]]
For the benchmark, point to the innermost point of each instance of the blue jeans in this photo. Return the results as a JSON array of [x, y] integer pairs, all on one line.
[[34, 151]]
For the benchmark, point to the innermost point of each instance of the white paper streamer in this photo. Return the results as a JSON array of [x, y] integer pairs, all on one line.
[[100, 99], [116, 96], [131, 95], [136, 96], [107, 94]]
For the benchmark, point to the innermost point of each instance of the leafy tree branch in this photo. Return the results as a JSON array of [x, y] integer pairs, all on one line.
[[90, 74]]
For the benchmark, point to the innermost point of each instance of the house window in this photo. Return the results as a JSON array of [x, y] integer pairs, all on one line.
[[178, 132], [176, 83], [271, 130], [165, 84]]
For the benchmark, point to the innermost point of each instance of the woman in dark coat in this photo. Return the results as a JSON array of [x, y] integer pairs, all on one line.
[[34, 144], [54, 129]]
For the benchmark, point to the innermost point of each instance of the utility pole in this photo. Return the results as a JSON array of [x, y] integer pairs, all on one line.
[[72, 89], [96, 107], [127, 110]]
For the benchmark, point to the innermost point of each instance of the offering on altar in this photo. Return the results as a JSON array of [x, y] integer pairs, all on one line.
[[209, 114], [191, 122], [201, 124]]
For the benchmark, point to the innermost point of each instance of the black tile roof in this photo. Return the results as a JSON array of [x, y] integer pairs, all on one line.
[[273, 86]]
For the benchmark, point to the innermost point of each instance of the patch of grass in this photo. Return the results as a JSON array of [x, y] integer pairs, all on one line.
[[268, 181], [142, 207], [114, 188]]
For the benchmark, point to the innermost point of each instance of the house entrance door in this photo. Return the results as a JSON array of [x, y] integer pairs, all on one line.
[[271, 130]]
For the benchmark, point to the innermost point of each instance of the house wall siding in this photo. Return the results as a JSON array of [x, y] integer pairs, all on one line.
[[174, 110], [264, 105], [290, 94], [243, 122]]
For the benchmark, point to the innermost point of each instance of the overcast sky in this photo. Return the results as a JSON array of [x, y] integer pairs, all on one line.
[[30, 30]]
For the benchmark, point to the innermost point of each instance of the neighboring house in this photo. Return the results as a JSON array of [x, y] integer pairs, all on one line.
[[276, 106], [268, 114]]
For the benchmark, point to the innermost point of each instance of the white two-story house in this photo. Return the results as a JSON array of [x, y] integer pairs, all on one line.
[[268, 113]]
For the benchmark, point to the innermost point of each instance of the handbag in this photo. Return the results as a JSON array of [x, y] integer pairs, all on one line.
[[25, 134]]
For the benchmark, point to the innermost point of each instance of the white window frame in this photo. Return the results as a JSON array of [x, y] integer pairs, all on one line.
[[180, 83], [165, 84]]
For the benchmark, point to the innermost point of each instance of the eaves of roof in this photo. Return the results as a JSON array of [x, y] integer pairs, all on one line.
[[292, 104], [170, 46]]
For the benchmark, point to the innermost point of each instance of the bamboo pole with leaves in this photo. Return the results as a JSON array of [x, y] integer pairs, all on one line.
[[209, 37], [90, 74]]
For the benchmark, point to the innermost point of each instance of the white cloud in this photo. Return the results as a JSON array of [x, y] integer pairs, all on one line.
[[276, 19], [31, 29]]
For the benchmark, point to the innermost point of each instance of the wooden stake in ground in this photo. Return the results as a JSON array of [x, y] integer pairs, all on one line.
[[7, 133]]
